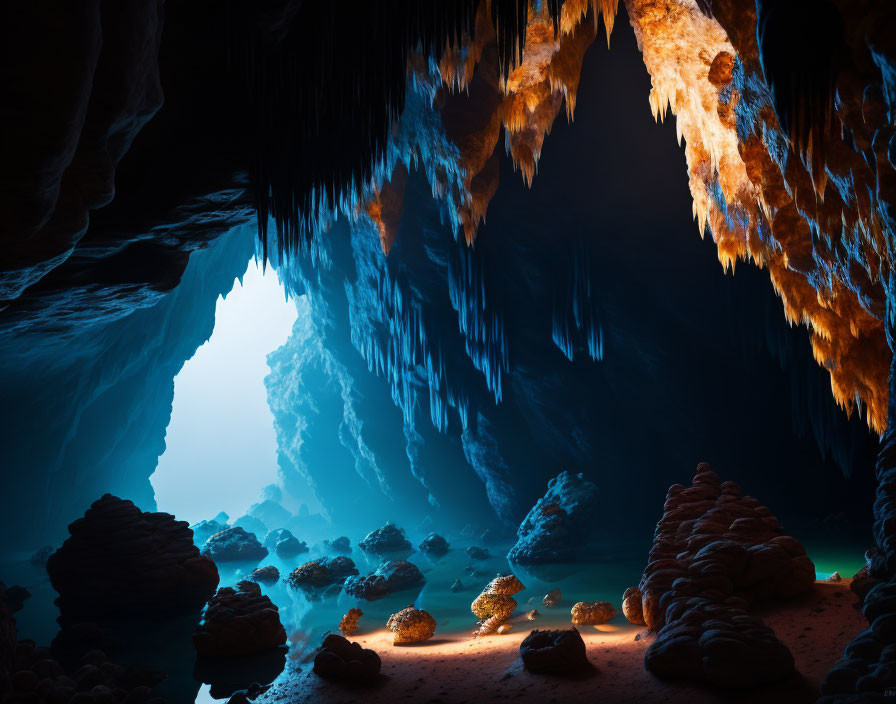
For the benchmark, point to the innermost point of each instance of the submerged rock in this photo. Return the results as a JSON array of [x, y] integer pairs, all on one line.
[[411, 625], [478, 553], [322, 573], [434, 545], [204, 530], [559, 528], [119, 559], [340, 659], [341, 545], [284, 543], [554, 652], [234, 545], [238, 622], [370, 588], [348, 625], [592, 613], [388, 540], [266, 575]]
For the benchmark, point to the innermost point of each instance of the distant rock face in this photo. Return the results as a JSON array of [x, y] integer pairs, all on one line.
[[554, 652], [348, 625], [284, 543], [120, 559], [238, 622], [341, 546], [250, 524], [322, 573], [266, 575], [715, 553], [269, 512], [434, 545], [204, 530], [592, 613], [559, 528], [388, 540], [340, 659], [477, 553], [496, 603], [411, 625], [234, 545]]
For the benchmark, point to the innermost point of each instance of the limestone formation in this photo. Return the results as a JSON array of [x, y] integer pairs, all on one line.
[[559, 526], [434, 545], [496, 603], [119, 559], [388, 541], [284, 543], [266, 575], [715, 553], [322, 573], [592, 613], [411, 625], [348, 625], [554, 652], [239, 622], [234, 545], [340, 659]]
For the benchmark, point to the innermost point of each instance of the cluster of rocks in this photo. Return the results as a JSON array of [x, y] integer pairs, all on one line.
[[592, 613], [340, 659], [496, 603], [234, 545], [411, 625], [715, 553], [389, 540], [322, 574], [390, 577], [238, 622], [119, 559], [554, 652], [284, 543], [559, 528], [434, 545]]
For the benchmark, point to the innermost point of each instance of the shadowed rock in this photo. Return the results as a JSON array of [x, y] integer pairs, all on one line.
[[266, 575], [554, 652], [284, 543], [234, 545], [388, 540], [340, 659], [322, 573], [340, 546], [434, 545], [239, 622]]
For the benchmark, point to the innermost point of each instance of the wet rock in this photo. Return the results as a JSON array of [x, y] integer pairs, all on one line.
[[234, 545], [592, 613], [554, 652], [559, 528], [348, 625], [340, 546], [40, 557], [322, 573], [552, 598], [340, 659], [457, 586], [715, 553], [370, 588], [476, 553], [119, 559], [401, 575], [389, 540], [631, 606], [204, 530], [411, 625], [532, 615], [250, 524], [434, 545], [496, 603], [238, 622], [284, 543], [266, 575]]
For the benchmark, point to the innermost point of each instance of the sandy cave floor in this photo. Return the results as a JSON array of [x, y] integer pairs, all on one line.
[[457, 668]]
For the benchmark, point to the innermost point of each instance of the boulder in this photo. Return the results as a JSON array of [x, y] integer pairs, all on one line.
[[266, 575], [120, 560], [401, 575], [476, 553], [348, 625], [389, 540], [554, 652], [341, 546], [411, 625], [559, 528], [284, 543], [434, 545], [234, 545], [592, 613], [340, 659], [631, 606], [238, 622], [370, 588], [322, 573]]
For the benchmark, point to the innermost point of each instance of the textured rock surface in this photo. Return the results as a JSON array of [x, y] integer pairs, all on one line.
[[559, 527], [348, 624], [388, 540], [251, 524], [434, 545], [715, 553], [239, 622], [266, 575], [119, 559], [496, 603], [270, 512], [554, 652], [341, 546], [234, 545], [592, 613], [322, 573], [284, 543], [370, 588], [411, 625], [340, 659], [401, 575], [204, 530]]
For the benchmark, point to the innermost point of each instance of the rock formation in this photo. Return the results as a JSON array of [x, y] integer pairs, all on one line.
[[322, 573], [239, 622], [552, 598], [477, 553], [120, 560], [434, 545], [204, 530], [554, 652], [387, 541], [266, 575], [340, 659], [559, 527], [269, 512], [592, 613], [496, 603], [284, 543], [341, 546], [716, 553], [371, 587], [411, 625], [348, 624], [234, 545], [252, 525]]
